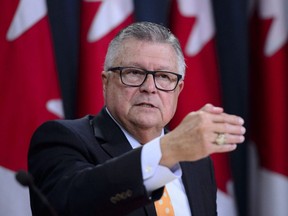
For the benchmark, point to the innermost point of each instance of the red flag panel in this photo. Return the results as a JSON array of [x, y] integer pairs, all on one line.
[[192, 23], [98, 26], [269, 106], [29, 92]]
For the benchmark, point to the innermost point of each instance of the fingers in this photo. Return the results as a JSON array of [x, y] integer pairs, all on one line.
[[224, 148], [225, 126], [231, 126], [229, 143], [196, 136], [222, 123], [234, 139], [228, 128], [229, 138], [224, 117], [227, 118], [213, 124], [212, 109]]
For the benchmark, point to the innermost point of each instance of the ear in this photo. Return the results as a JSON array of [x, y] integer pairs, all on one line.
[[104, 76], [181, 85]]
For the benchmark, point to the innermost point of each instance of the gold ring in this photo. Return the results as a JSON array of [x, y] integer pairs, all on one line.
[[220, 139]]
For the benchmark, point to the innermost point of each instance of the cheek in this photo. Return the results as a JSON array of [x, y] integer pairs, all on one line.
[[173, 106], [169, 107], [118, 95]]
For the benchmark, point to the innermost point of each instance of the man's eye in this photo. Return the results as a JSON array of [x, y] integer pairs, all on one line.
[[163, 76], [135, 72]]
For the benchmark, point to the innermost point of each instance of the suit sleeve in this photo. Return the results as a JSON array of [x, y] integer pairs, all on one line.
[[78, 178]]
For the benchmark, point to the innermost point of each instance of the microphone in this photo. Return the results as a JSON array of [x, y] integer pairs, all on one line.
[[26, 180]]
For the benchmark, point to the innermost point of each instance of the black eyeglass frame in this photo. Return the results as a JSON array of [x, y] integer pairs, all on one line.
[[179, 76]]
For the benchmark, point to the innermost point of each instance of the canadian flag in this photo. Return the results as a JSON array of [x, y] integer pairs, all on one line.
[[270, 107], [29, 92], [100, 22], [192, 22]]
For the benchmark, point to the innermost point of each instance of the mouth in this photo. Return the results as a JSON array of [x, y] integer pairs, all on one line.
[[147, 105]]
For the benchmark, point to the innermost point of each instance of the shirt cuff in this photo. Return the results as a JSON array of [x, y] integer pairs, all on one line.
[[155, 175]]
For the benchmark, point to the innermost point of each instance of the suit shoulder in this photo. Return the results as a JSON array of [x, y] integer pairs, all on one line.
[[66, 123], [62, 127]]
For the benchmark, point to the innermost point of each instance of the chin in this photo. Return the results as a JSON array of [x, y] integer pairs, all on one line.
[[147, 122]]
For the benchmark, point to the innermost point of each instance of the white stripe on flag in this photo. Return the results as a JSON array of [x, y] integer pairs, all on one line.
[[14, 198], [225, 201]]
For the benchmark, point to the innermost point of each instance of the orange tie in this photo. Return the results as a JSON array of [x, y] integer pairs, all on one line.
[[164, 205]]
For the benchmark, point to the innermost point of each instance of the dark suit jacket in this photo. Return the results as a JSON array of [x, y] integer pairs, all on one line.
[[87, 167]]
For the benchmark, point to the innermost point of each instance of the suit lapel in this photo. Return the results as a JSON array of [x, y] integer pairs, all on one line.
[[200, 186], [109, 134], [114, 143], [190, 186]]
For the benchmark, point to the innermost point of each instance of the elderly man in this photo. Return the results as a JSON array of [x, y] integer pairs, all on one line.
[[120, 161]]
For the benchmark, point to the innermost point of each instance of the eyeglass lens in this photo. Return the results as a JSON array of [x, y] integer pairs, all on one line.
[[136, 77]]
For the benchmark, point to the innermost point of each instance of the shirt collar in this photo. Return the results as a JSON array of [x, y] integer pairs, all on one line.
[[133, 142]]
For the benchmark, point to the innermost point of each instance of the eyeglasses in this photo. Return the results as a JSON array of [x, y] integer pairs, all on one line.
[[135, 77]]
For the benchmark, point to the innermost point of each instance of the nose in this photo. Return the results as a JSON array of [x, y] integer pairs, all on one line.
[[149, 84]]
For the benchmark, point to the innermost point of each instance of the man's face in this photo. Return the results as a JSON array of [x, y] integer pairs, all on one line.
[[143, 107]]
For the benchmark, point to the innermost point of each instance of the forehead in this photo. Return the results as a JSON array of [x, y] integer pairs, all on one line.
[[146, 54]]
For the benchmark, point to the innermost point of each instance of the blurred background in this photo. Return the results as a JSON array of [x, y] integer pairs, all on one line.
[[51, 58]]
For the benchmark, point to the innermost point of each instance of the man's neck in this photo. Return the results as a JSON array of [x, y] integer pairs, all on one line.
[[141, 135]]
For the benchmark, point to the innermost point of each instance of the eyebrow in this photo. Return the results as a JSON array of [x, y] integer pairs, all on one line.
[[137, 65]]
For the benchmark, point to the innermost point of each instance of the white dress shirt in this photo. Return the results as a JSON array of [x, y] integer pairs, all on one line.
[[156, 175]]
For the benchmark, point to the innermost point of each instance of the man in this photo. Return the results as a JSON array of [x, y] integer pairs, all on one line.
[[120, 161]]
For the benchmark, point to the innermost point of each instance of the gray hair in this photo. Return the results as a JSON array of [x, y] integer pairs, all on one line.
[[145, 31]]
